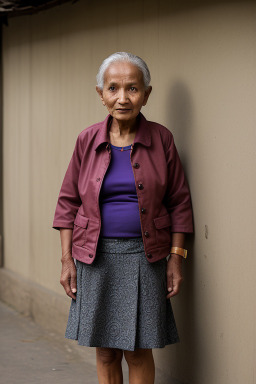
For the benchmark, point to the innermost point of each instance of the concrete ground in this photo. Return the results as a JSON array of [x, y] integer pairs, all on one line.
[[30, 354]]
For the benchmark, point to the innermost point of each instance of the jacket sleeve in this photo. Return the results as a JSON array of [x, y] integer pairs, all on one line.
[[69, 199], [178, 200]]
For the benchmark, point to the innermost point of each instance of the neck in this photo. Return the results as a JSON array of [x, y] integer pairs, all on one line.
[[122, 128]]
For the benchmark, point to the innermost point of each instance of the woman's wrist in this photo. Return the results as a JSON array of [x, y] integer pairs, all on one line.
[[66, 243], [66, 255], [177, 246], [176, 258]]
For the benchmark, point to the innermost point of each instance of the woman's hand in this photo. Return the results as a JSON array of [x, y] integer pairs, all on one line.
[[68, 275], [68, 272], [174, 275]]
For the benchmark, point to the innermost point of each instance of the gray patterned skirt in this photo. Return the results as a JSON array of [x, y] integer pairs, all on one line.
[[121, 299]]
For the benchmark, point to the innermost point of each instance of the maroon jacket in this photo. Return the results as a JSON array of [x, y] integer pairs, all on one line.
[[163, 195]]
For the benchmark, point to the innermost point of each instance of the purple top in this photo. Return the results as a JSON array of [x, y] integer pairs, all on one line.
[[118, 197]]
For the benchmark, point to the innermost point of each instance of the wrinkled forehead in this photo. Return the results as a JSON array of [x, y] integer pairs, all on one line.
[[123, 71]]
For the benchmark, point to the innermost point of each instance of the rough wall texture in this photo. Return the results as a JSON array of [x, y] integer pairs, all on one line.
[[202, 60]]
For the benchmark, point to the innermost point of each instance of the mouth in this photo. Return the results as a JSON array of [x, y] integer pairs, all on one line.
[[123, 109]]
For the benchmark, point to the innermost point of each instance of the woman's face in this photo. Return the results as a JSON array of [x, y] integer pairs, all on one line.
[[124, 92]]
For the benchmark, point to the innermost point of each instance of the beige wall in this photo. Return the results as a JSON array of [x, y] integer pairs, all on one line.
[[202, 61]]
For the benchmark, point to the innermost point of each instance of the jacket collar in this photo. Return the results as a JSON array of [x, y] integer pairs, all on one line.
[[143, 135]]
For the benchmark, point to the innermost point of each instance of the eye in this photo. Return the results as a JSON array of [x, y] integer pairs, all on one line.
[[133, 89], [112, 88]]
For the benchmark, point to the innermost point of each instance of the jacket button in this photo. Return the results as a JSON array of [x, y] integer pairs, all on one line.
[[91, 256], [136, 165], [140, 186], [143, 210], [146, 234], [149, 256]]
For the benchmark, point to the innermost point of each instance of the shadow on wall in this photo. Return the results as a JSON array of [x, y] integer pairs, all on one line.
[[180, 121], [188, 353]]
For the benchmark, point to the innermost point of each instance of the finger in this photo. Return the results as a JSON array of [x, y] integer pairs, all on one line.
[[169, 283], [176, 287], [66, 285], [69, 292], [73, 282]]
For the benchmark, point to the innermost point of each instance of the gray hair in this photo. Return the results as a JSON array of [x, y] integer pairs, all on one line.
[[123, 56]]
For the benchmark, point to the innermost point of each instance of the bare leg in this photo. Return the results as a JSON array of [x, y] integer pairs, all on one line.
[[109, 366], [141, 366]]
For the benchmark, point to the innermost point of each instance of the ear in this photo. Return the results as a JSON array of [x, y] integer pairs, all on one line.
[[100, 92], [146, 95]]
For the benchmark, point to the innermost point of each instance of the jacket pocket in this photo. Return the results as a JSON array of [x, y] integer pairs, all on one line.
[[79, 230], [163, 233]]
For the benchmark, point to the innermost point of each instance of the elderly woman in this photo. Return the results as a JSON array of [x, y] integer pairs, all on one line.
[[123, 210]]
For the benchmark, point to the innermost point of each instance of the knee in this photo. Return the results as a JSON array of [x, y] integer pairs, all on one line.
[[137, 357], [109, 356]]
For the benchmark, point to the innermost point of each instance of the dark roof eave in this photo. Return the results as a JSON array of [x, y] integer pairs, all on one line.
[[17, 8]]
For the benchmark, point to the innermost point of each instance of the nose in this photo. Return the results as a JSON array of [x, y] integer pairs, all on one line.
[[122, 97]]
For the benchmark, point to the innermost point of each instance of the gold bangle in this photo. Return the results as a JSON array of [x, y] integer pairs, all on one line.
[[179, 251]]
